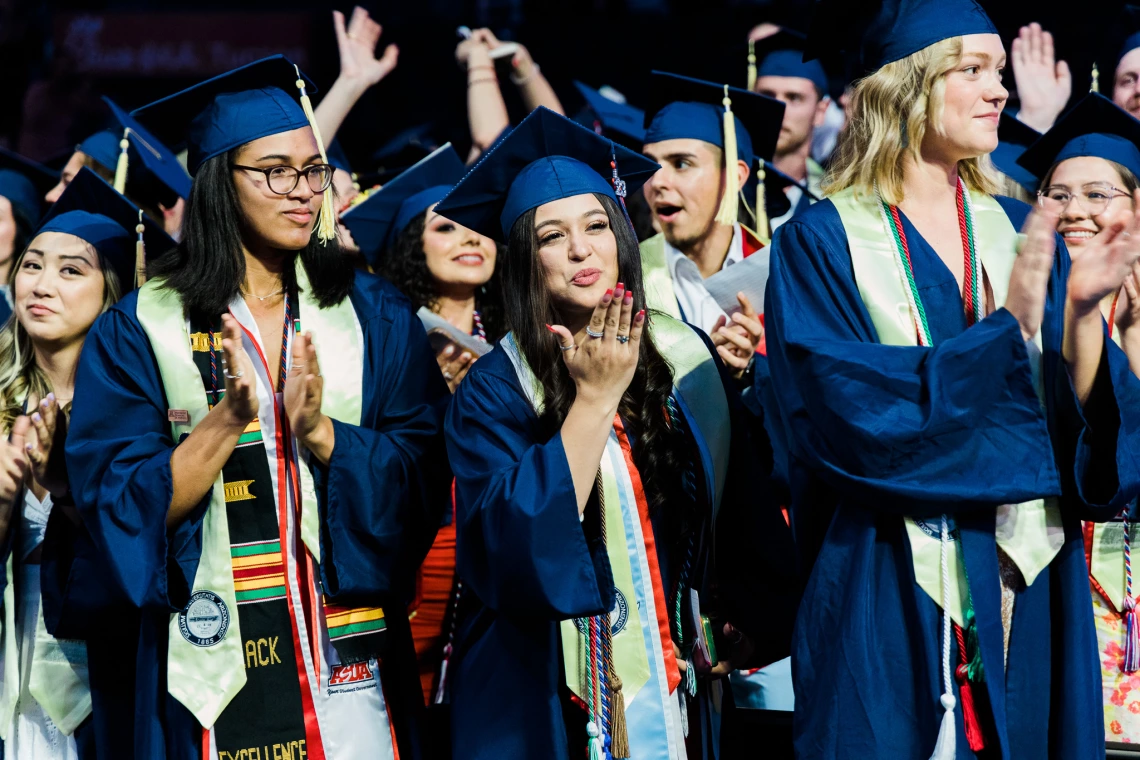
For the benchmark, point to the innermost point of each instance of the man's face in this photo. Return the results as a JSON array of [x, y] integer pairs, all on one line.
[[804, 109], [684, 194], [1126, 85]]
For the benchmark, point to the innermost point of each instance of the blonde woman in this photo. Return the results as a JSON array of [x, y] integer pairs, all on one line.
[[74, 269], [953, 412]]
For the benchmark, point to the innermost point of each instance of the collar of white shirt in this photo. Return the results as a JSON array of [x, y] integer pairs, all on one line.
[[699, 308]]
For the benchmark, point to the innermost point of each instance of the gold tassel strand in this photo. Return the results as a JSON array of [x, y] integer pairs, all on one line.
[[751, 66], [1095, 85], [619, 735], [121, 164], [729, 203], [326, 222], [763, 229], [140, 254]]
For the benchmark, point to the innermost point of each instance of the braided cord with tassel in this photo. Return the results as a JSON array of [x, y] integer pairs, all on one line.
[[326, 222]]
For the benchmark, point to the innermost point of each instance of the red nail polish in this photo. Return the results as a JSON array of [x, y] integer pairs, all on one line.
[[548, 327], [641, 314], [621, 286], [629, 297], [609, 292]]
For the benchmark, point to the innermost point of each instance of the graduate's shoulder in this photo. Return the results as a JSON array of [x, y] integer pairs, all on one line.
[[374, 297], [819, 220], [493, 382], [1016, 210]]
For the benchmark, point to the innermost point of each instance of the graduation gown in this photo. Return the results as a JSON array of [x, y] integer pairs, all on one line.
[[527, 563], [115, 579], [879, 432]]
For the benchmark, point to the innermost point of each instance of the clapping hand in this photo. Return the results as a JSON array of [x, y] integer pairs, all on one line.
[[736, 343], [1106, 260], [45, 447]]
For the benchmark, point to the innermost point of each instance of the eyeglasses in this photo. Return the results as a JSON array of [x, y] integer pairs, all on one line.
[[1093, 198], [284, 179]]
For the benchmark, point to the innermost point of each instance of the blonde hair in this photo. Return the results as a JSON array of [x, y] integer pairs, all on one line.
[[20, 376], [890, 111]]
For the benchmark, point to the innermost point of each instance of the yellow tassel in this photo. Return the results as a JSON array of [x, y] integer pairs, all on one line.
[[619, 735], [751, 66], [1095, 86], [140, 254], [326, 222], [121, 166], [729, 202], [763, 231]]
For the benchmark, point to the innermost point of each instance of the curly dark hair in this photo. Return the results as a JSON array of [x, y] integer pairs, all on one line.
[[661, 451], [404, 265]]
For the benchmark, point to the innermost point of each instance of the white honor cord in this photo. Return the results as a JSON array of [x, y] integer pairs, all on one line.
[[945, 748]]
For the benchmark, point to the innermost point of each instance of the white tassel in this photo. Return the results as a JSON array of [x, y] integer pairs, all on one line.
[[945, 748]]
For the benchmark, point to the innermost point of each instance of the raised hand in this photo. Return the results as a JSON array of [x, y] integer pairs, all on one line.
[[14, 467], [1105, 260], [357, 46], [304, 391], [454, 363], [241, 385], [1044, 84], [736, 343], [1030, 275], [45, 447], [602, 367]]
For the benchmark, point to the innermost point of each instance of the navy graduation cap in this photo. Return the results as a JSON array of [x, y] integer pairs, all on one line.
[[95, 212], [102, 148], [24, 182], [621, 121], [884, 31], [782, 55], [260, 99], [1014, 137], [376, 221], [545, 158], [404, 150], [1130, 21], [337, 158], [1093, 127], [142, 147]]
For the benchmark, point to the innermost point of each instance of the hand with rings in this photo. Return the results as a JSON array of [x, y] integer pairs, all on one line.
[[453, 363], [603, 358], [304, 392], [240, 401]]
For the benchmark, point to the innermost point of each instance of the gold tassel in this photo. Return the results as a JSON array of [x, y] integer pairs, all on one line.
[[140, 254], [326, 222], [121, 165], [763, 230], [619, 735], [751, 66], [1095, 86], [729, 202]]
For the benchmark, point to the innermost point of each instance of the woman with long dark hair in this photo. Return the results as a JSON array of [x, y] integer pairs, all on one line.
[[257, 464], [75, 267], [954, 411], [595, 453]]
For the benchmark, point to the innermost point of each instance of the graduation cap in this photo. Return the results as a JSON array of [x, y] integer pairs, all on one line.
[[376, 221], [102, 148], [24, 182], [404, 150], [117, 229], [545, 158], [1130, 21], [884, 31], [744, 124], [1014, 136], [138, 146], [619, 120], [263, 98], [1095, 126], [782, 55]]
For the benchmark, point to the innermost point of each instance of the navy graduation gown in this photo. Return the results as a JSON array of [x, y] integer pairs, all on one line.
[[115, 578], [527, 563], [878, 432]]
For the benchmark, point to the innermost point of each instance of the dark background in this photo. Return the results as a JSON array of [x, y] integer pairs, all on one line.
[[57, 57]]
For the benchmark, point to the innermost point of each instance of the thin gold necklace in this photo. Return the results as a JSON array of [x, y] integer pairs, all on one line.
[[263, 298]]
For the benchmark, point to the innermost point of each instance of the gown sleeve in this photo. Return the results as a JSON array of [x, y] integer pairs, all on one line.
[[118, 453], [908, 430], [521, 546], [385, 488]]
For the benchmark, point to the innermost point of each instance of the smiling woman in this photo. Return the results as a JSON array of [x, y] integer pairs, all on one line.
[[255, 366]]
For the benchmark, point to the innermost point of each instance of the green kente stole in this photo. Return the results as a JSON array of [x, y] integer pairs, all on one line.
[[697, 381], [1030, 533], [207, 659]]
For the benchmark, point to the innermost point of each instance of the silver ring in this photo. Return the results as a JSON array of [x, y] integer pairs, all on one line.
[[623, 339], [240, 374], [567, 348], [593, 334], [296, 366], [448, 376]]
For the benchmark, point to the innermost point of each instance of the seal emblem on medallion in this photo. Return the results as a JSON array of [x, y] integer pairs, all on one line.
[[204, 620]]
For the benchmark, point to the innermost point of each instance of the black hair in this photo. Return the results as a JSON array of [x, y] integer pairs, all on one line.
[[404, 264], [661, 450], [207, 268]]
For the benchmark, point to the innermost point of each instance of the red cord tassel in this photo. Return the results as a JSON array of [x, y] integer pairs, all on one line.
[[974, 736], [1131, 637]]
